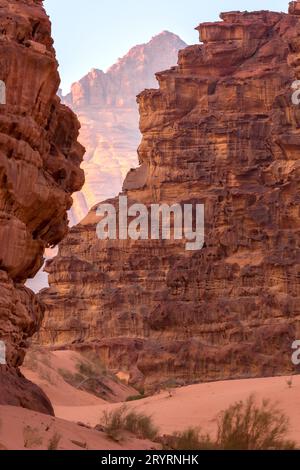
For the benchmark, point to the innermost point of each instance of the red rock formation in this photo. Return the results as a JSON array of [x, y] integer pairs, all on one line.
[[106, 107], [39, 170], [105, 104], [221, 130]]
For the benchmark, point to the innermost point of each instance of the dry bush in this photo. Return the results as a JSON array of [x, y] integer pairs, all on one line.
[[118, 421], [243, 426], [190, 439], [46, 375], [248, 426], [91, 368], [88, 376], [54, 442], [32, 437], [70, 378], [136, 397]]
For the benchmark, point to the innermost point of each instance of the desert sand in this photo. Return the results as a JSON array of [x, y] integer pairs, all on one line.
[[198, 405], [191, 406], [23, 429], [26, 430], [46, 374]]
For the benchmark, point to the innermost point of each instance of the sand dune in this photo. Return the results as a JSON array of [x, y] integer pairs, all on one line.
[[191, 406], [198, 405], [23, 429], [44, 369]]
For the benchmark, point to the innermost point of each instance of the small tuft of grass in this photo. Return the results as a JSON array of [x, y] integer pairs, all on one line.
[[135, 397], [289, 382]]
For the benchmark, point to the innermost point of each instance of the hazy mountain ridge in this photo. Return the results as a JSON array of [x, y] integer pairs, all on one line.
[[107, 110]]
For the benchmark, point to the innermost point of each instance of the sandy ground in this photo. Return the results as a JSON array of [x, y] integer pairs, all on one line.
[[23, 429], [191, 406], [199, 405], [26, 430], [61, 394]]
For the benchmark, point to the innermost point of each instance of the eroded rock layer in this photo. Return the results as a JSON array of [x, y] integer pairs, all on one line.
[[221, 130], [105, 104], [39, 170]]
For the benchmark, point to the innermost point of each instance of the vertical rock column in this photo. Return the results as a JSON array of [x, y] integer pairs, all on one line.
[[39, 170]]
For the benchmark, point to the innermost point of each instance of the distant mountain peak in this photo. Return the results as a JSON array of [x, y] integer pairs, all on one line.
[[167, 34], [105, 103], [152, 50], [130, 74]]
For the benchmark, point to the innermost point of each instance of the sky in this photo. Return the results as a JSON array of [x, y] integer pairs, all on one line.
[[95, 33]]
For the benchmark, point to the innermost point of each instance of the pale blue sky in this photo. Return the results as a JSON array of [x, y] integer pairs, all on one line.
[[95, 33]]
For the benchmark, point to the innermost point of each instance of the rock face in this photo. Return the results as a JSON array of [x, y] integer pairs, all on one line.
[[39, 170], [221, 130], [105, 104]]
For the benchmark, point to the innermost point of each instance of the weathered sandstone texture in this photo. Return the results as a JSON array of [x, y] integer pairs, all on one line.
[[105, 104], [222, 130], [39, 170]]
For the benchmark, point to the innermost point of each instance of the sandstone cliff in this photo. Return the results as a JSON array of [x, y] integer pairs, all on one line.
[[222, 130], [39, 170], [105, 104]]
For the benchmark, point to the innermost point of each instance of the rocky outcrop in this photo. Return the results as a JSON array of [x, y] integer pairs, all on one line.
[[39, 170], [105, 104], [221, 130]]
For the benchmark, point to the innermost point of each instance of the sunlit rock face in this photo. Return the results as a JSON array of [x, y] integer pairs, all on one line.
[[106, 107], [39, 170], [221, 130]]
